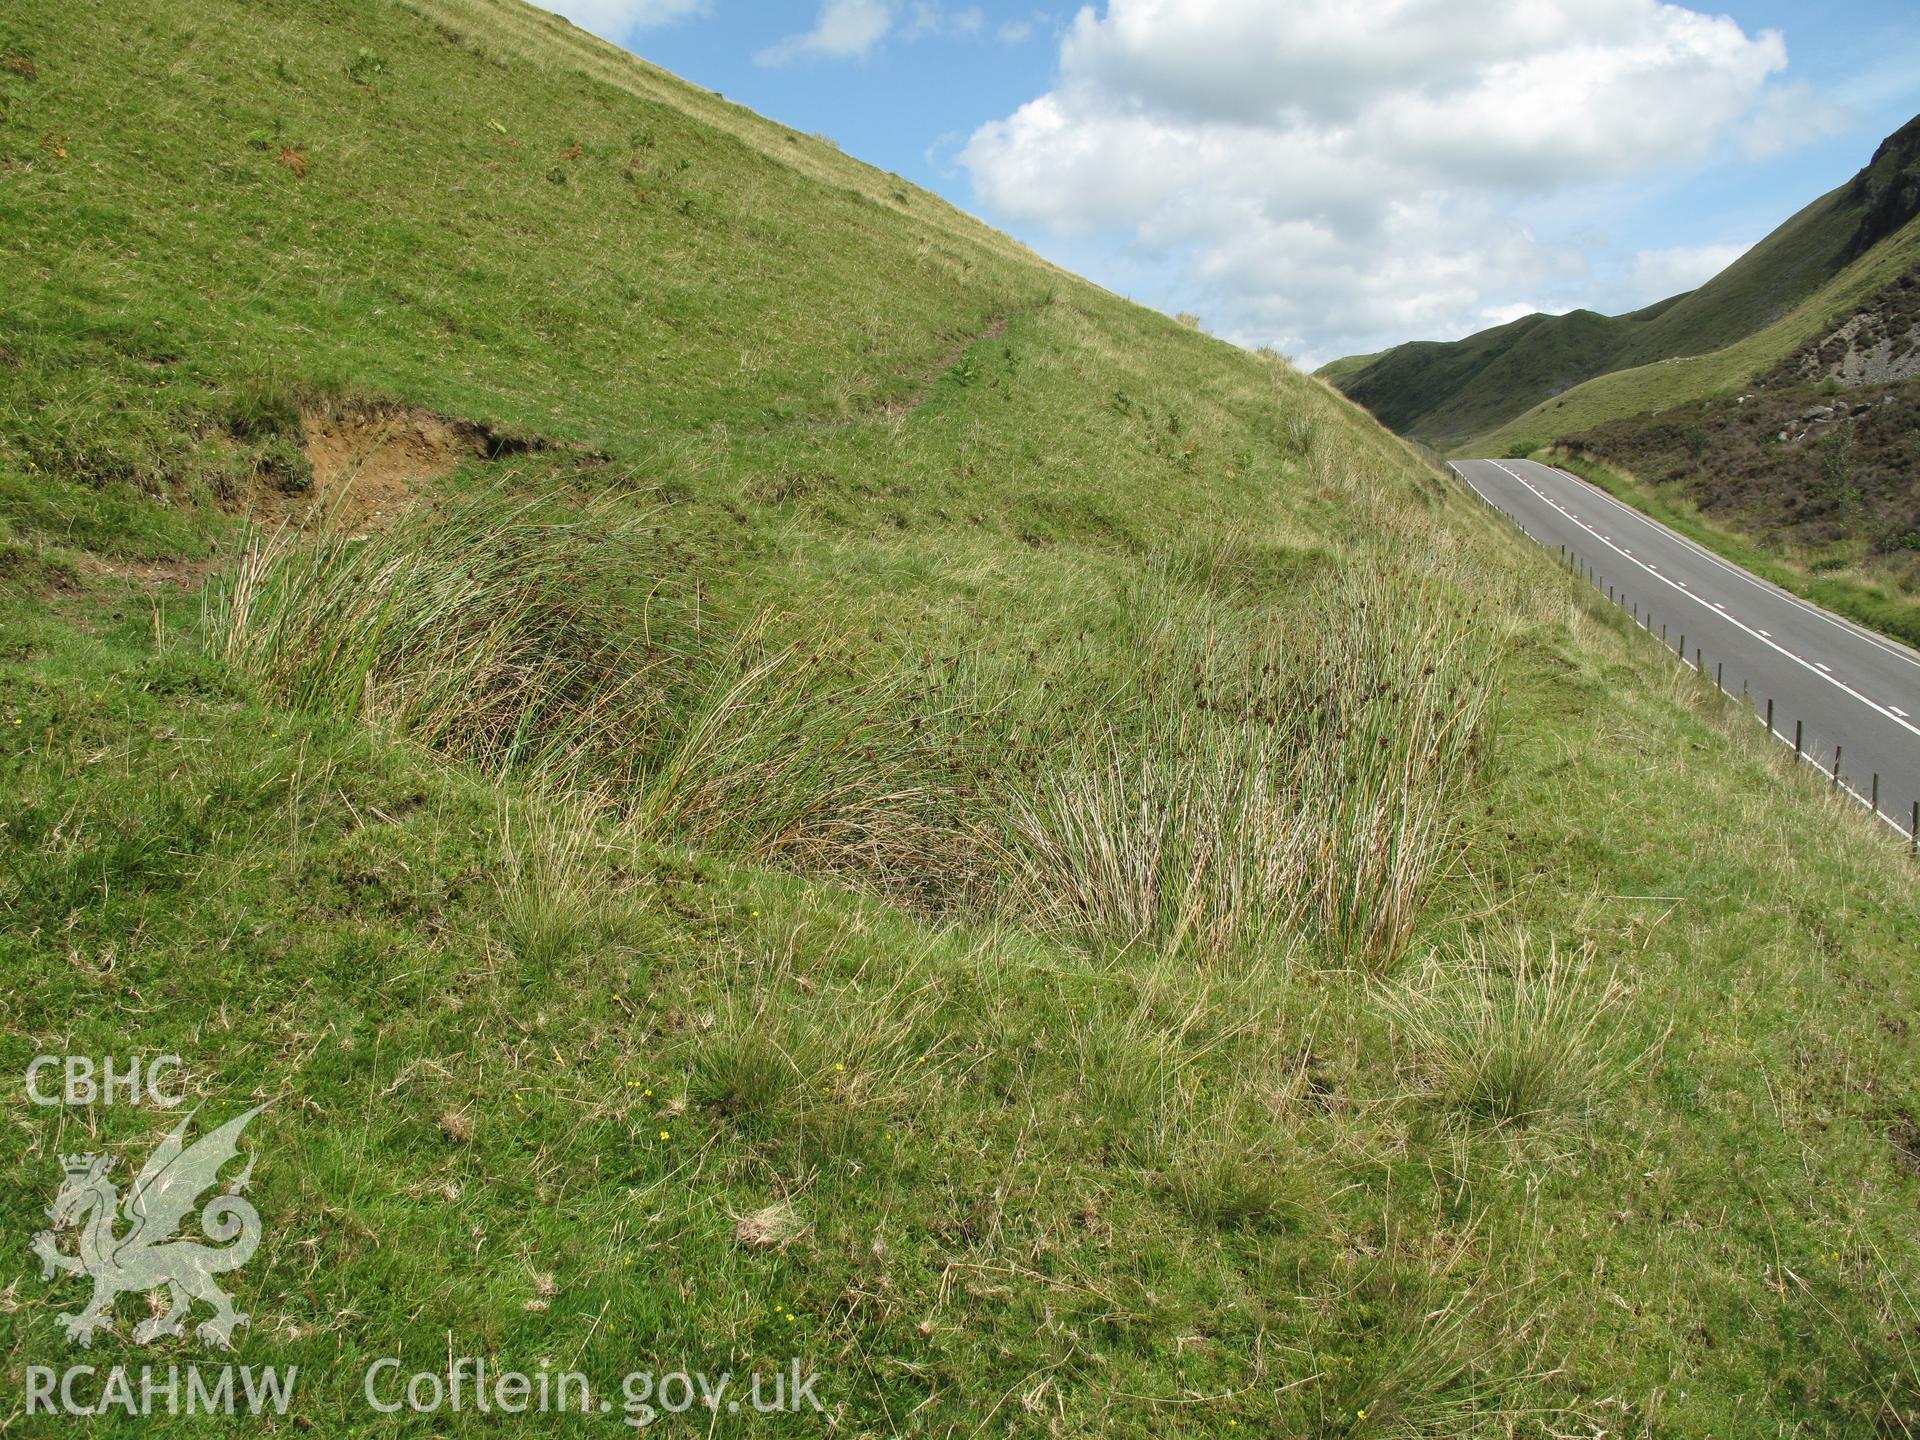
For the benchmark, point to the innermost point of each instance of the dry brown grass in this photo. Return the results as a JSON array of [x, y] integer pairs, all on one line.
[[1319, 785]]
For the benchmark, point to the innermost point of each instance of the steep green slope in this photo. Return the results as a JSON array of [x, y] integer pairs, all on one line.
[[1334, 372], [1446, 392], [1436, 390], [1649, 389], [758, 777]]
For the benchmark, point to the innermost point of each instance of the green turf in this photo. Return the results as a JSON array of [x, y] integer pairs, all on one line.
[[884, 806]]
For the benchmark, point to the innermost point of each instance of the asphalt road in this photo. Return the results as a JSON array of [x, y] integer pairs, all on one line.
[[1841, 688]]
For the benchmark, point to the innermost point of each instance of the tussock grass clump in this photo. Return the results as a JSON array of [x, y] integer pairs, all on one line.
[[469, 632], [1185, 841], [1126, 1082], [1314, 785], [1217, 1178], [783, 1063], [465, 631], [741, 1072], [1399, 690], [554, 896], [1509, 1038], [1414, 1347], [812, 755]]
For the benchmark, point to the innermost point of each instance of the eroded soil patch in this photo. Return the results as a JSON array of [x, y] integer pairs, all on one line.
[[369, 466]]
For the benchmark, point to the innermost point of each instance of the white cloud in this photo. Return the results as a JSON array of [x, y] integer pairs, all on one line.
[[1656, 274], [1789, 116], [615, 19], [850, 29], [1341, 174], [1018, 32], [930, 18], [844, 30], [1507, 314]]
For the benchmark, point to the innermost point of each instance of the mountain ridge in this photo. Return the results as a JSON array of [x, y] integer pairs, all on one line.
[[1446, 392]]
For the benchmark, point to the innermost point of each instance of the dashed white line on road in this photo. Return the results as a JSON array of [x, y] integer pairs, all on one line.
[[1773, 644], [1899, 652], [1893, 712]]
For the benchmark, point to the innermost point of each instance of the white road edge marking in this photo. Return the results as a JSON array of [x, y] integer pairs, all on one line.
[[1734, 620], [1858, 632], [1897, 718]]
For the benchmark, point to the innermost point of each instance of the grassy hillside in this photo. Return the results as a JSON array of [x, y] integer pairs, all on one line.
[[1441, 390], [1335, 372], [755, 774], [1650, 389], [1447, 392]]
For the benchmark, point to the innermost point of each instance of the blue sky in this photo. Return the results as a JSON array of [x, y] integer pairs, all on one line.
[[1330, 176]]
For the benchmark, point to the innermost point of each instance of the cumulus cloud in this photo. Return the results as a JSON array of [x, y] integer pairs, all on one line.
[[1335, 174], [1789, 116], [929, 18], [844, 30], [615, 19], [1655, 274], [852, 29], [1019, 31], [1507, 314]]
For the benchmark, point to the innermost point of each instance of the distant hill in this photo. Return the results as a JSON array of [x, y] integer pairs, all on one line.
[[1447, 392], [1796, 448], [1828, 322]]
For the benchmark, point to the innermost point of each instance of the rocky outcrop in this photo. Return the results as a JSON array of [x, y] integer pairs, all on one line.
[[1877, 345], [1889, 189]]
